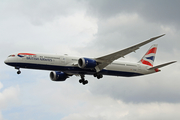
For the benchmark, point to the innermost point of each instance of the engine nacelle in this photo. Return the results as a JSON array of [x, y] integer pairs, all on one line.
[[87, 63], [58, 76]]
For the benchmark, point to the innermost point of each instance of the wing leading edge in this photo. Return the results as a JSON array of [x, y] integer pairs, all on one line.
[[108, 59]]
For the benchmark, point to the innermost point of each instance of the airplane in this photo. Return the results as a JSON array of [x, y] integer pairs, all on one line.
[[64, 66]]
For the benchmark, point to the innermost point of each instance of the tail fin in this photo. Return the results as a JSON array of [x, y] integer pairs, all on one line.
[[149, 57]]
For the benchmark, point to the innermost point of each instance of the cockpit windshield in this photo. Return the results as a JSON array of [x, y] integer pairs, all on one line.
[[11, 56]]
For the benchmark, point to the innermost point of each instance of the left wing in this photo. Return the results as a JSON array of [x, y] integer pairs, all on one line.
[[106, 60]]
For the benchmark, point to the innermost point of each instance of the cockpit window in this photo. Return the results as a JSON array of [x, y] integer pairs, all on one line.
[[11, 56]]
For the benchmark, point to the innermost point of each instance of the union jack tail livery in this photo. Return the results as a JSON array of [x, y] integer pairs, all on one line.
[[149, 57]]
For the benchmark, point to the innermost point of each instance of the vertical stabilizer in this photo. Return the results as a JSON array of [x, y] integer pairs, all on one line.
[[149, 57]]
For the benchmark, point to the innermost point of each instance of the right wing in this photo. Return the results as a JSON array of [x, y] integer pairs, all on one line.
[[108, 59]]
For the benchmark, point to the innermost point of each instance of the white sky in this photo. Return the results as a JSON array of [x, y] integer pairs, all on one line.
[[92, 29]]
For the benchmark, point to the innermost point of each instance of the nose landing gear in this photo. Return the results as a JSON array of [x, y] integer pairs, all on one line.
[[18, 72], [18, 68]]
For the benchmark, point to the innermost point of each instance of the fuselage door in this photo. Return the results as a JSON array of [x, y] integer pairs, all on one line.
[[139, 67], [63, 60]]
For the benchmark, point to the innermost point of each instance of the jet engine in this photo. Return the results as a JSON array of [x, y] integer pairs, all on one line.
[[87, 63], [58, 76]]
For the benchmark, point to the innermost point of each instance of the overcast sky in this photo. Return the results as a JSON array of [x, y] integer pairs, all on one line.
[[89, 28]]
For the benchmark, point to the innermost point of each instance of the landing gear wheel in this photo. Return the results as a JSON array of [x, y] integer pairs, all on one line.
[[18, 72], [85, 82], [98, 75], [95, 75], [80, 81], [18, 68]]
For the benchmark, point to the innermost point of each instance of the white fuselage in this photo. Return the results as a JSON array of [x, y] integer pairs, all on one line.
[[69, 64]]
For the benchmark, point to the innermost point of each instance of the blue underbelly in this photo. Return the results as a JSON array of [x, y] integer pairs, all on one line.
[[74, 70]]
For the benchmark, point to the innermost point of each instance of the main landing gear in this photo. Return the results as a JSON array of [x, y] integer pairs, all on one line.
[[18, 72], [99, 76], [82, 80]]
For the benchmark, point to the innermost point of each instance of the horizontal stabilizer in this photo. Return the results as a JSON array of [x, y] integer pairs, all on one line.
[[162, 65]]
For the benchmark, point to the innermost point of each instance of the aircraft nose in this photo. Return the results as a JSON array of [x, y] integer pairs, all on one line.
[[6, 61]]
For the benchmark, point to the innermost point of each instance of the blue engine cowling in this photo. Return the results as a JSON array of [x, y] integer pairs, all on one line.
[[87, 63], [58, 76]]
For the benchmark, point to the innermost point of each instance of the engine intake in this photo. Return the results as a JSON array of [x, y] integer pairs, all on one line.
[[58, 76], [87, 63]]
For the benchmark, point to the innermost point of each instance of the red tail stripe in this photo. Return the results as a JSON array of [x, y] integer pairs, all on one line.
[[146, 62], [153, 50]]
